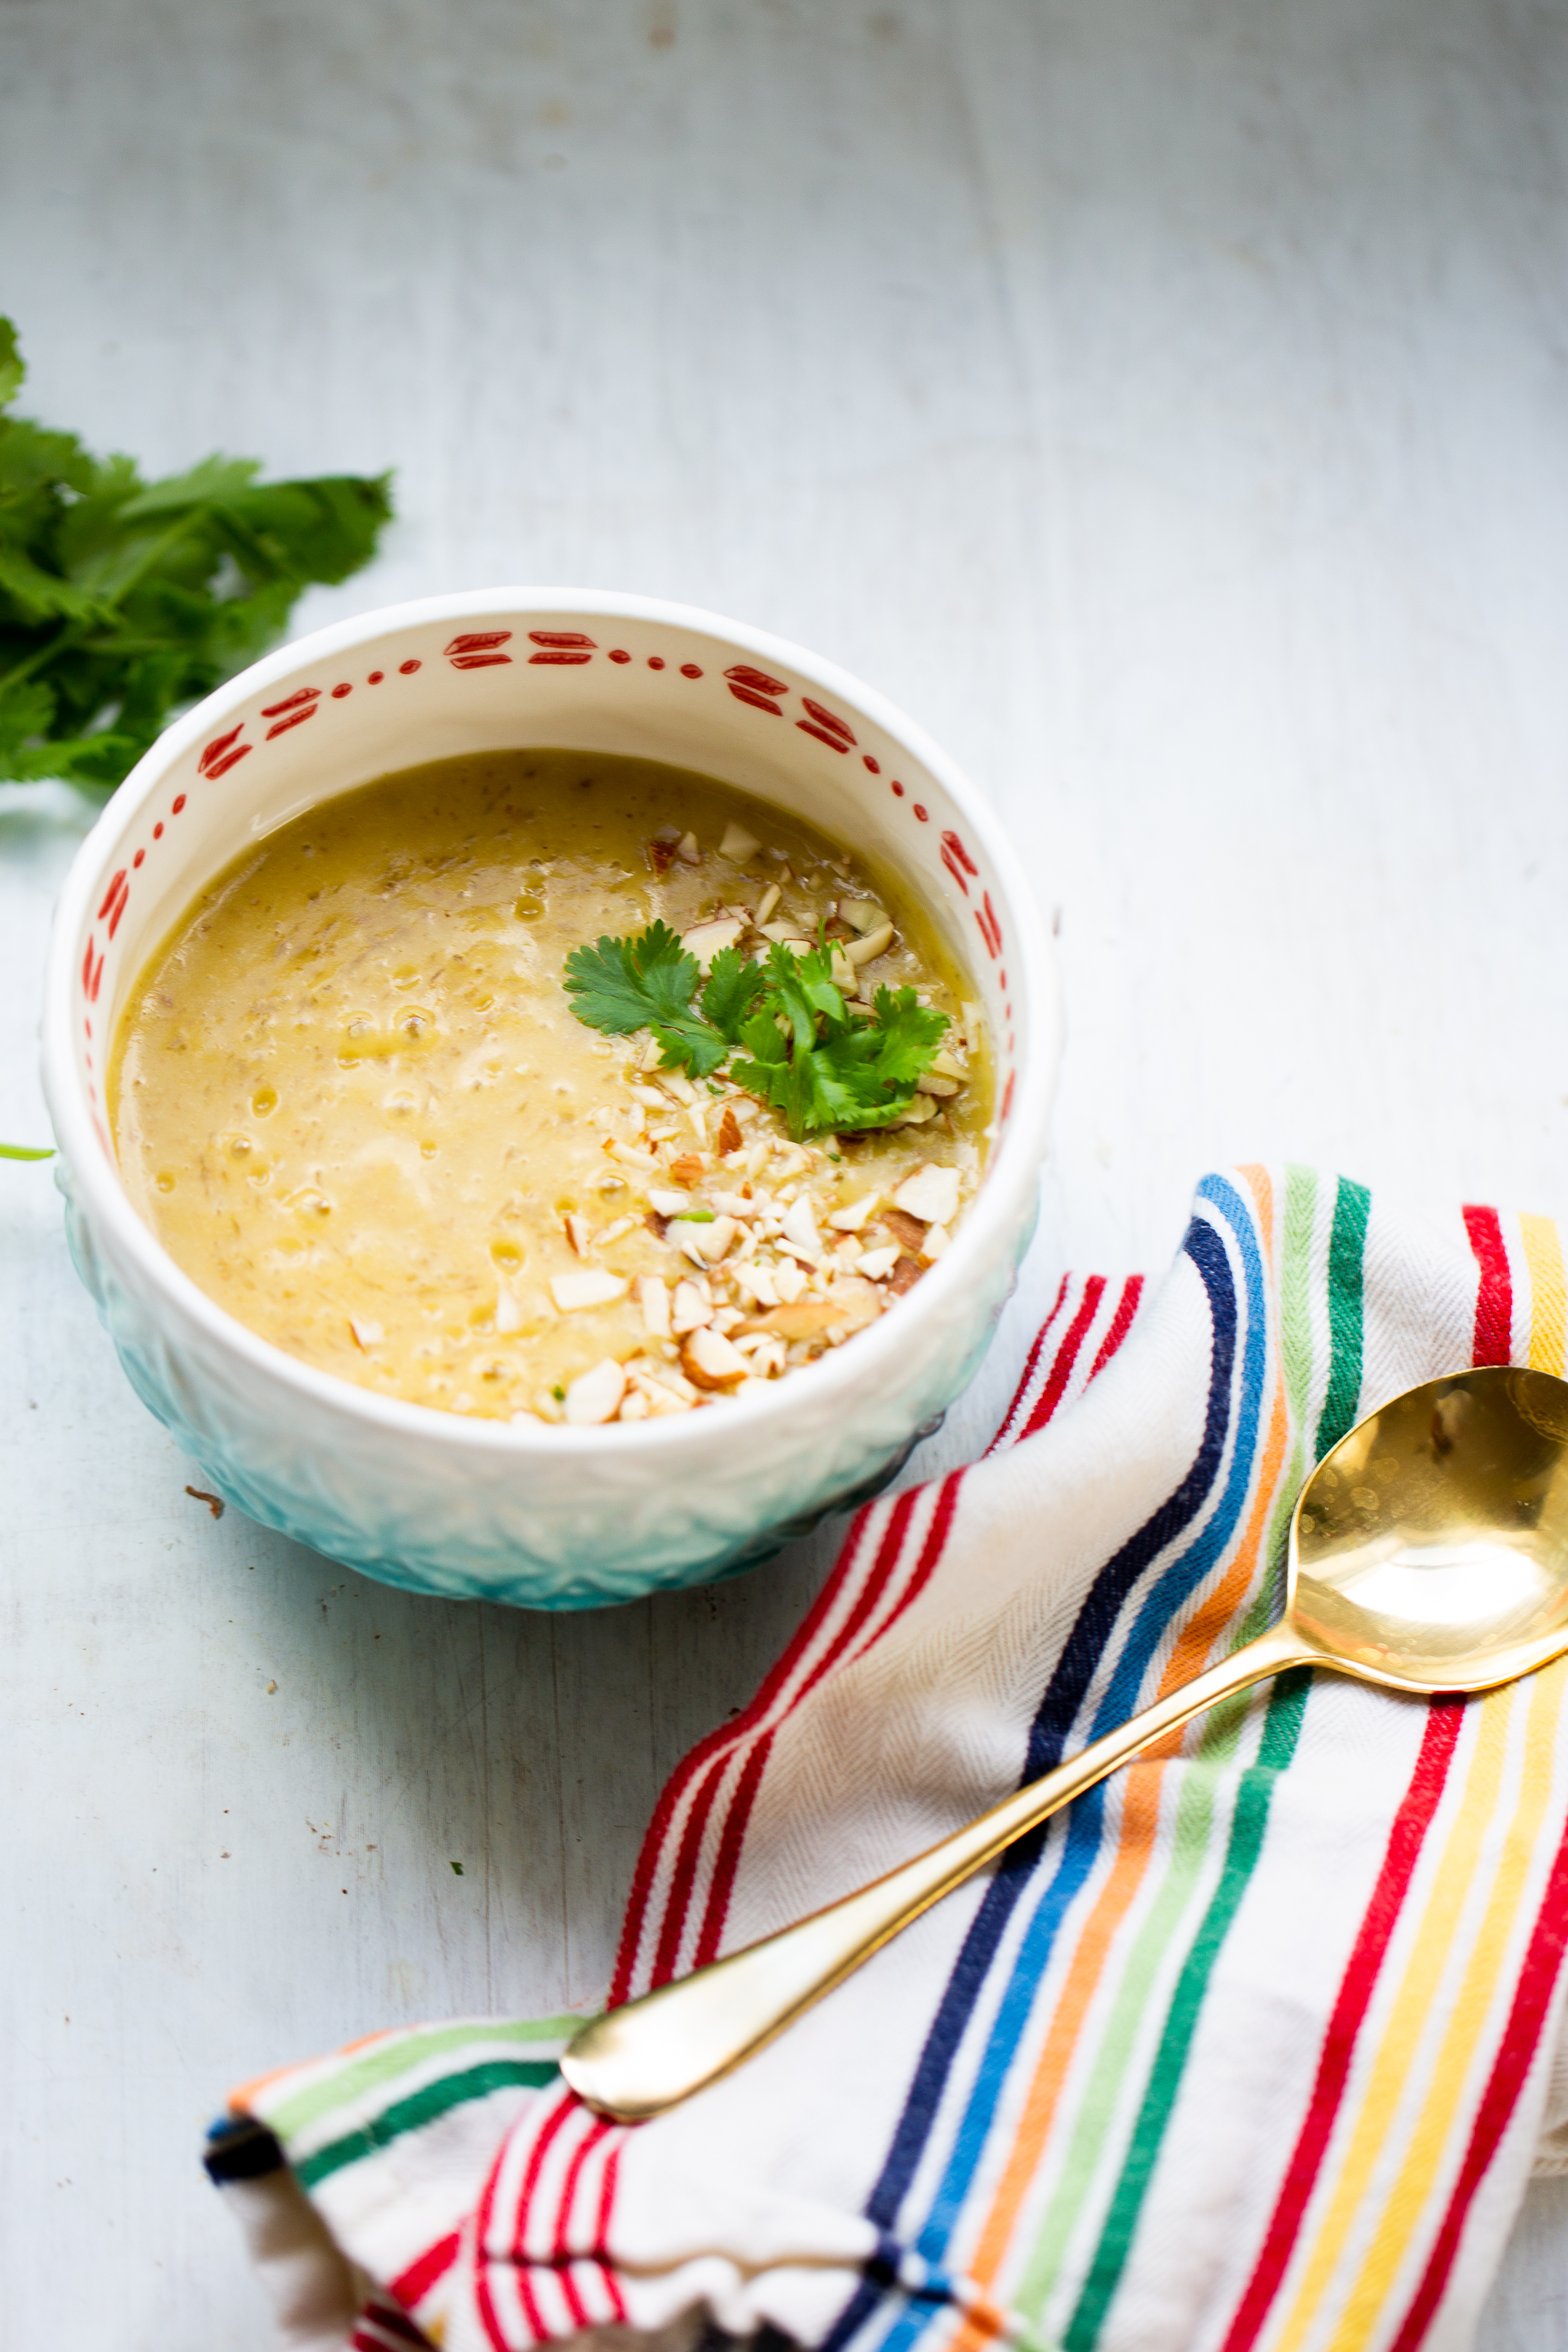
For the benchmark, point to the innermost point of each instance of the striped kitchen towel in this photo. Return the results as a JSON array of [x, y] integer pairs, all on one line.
[[1253, 2047]]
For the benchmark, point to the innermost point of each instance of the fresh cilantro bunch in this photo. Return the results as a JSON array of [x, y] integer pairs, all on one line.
[[120, 599], [825, 1070]]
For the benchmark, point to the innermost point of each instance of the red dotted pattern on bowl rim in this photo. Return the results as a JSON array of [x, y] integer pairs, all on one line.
[[757, 689]]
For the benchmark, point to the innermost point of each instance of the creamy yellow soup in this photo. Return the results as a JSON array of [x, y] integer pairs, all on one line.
[[353, 1099]]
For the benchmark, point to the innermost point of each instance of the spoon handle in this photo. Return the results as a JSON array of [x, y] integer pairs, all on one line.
[[637, 2060]]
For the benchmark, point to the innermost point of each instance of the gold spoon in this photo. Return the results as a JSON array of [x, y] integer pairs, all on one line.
[[1429, 1552]]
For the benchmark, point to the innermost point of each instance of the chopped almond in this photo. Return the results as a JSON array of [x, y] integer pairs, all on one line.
[[706, 940], [929, 1083], [367, 1335], [766, 904], [659, 1396], [931, 1194], [756, 1282], [592, 1287], [661, 855], [734, 1204], [730, 1136], [805, 1319], [635, 1406], [789, 1280], [653, 1298], [738, 845], [711, 1362], [937, 1242], [690, 1307], [509, 1315], [686, 849], [909, 1232], [876, 943], [704, 1242], [688, 1169], [855, 1302], [576, 1234], [877, 1265], [905, 1275], [799, 1225], [852, 1217], [628, 1155], [595, 1396], [863, 916]]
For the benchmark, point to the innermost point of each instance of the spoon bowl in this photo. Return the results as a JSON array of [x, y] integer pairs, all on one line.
[[1428, 1553], [1429, 1549]]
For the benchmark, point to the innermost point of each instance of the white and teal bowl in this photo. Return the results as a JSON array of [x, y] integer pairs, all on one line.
[[549, 1519]]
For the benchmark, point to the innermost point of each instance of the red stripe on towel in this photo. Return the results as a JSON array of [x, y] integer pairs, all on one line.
[[412, 2285], [1537, 1983], [1066, 1355], [1494, 1299], [1411, 1823]]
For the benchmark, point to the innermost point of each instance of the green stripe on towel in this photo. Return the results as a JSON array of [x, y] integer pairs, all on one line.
[[423, 2107]]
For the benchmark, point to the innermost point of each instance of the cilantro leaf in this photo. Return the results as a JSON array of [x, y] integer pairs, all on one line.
[[908, 1035], [690, 1045], [852, 1076], [623, 985], [122, 600], [804, 986], [12, 371], [732, 989]]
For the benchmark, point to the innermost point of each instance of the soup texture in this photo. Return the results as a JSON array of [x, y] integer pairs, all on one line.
[[357, 1103]]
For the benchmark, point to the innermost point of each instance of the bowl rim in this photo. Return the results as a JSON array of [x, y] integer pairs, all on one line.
[[1013, 1167]]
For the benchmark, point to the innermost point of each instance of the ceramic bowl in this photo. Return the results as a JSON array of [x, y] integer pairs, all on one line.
[[545, 1517]]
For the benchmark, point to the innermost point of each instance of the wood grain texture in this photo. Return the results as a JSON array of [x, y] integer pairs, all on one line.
[[1163, 400]]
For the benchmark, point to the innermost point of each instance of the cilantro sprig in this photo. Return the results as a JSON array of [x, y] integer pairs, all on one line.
[[799, 1047], [121, 599]]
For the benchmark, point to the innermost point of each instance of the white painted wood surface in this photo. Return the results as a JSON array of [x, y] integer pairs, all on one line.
[[1164, 400]]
